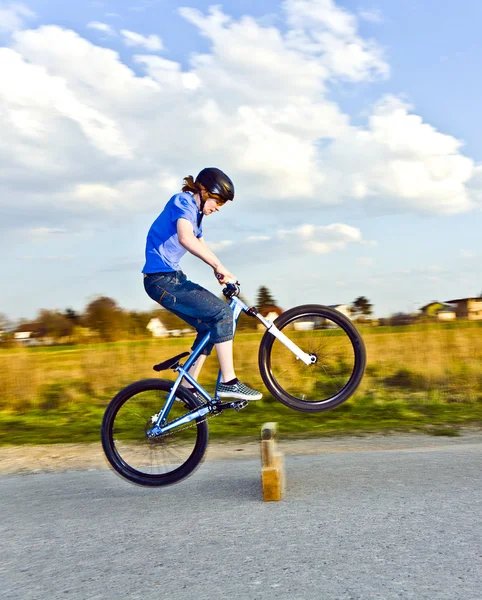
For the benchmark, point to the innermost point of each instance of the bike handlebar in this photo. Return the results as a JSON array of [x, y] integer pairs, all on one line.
[[232, 288]]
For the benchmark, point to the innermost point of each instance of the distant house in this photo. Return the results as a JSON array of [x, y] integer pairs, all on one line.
[[22, 336], [467, 308], [431, 309], [344, 309], [446, 314], [25, 338], [270, 312], [181, 332], [442, 311], [157, 328]]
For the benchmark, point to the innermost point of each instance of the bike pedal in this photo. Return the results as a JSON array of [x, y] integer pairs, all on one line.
[[235, 405], [239, 404]]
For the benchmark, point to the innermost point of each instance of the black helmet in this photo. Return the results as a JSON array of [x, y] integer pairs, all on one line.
[[216, 182]]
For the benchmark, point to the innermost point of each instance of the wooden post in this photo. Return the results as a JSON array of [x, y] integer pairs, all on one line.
[[272, 465]]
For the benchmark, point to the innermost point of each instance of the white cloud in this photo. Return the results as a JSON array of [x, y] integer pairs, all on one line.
[[320, 14], [321, 239], [217, 246], [46, 232], [474, 185], [372, 15], [149, 42], [13, 16], [37, 257], [83, 134], [401, 161], [430, 269], [365, 260], [103, 27], [39, 102], [168, 73], [467, 254], [323, 29]]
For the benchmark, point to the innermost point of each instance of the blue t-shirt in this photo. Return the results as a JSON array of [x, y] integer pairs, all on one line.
[[163, 250]]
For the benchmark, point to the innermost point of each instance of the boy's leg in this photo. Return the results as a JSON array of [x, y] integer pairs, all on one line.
[[230, 386], [235, 389], [224, 350]]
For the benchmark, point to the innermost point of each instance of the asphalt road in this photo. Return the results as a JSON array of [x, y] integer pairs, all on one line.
[[360, 525]]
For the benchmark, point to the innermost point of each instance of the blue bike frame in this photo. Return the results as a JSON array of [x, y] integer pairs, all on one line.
[[212, 404], [237, 306]]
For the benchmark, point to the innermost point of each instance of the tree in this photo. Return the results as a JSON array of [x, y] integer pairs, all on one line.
[[72, 316], [5, 324], [170, 321], [105, 317], [137, 322], [264, 298], [401, 318], [25, 325], [52, 323], [362, 307], [6, 328]]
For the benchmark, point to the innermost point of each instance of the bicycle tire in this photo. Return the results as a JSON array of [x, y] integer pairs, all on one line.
[[123, 434], [286, 382]]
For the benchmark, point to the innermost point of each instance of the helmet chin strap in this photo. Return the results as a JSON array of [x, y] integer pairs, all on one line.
[[201, 209]]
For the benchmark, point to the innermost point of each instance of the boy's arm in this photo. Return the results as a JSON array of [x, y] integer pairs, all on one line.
[[197, 247]]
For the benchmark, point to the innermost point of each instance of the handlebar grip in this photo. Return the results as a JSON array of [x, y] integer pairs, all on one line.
[[219, 276], [232, 288]]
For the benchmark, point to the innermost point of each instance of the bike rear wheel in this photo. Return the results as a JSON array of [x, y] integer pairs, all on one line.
[[160, 461], [340, 359]]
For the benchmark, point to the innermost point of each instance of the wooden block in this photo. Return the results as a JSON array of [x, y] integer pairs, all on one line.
[[268, 431], [280, 465], [270, 477], [272, 470], [267, 453]]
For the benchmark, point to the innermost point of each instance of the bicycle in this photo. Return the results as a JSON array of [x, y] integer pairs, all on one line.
[[154, 431]]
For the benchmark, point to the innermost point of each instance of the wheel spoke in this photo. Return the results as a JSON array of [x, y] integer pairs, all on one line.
[[156, 461], [339, 364]]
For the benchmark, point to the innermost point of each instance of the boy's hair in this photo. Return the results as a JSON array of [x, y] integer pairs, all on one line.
[[191, 186], [196, 188]]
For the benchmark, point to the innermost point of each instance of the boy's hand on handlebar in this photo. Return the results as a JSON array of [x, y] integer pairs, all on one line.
[[223, 275]]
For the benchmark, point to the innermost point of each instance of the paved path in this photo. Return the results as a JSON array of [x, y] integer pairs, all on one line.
[[358, 525]]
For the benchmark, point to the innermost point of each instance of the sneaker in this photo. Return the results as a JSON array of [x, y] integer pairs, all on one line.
[[239, 391]]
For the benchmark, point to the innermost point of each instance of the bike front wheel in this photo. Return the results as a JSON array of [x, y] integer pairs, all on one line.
[[162, 460], [339, 359]]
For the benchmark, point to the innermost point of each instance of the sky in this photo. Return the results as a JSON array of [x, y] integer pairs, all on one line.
[[351, 130]]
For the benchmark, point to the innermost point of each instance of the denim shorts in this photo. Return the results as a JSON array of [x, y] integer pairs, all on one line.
[[194, 304]]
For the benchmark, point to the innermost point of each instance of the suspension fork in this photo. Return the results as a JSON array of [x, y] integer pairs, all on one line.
[[308, 359]]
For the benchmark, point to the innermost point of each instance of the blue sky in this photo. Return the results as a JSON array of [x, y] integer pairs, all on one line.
[[351, 129]]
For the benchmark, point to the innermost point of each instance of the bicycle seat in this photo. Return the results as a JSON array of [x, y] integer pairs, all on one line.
[[170, 363]]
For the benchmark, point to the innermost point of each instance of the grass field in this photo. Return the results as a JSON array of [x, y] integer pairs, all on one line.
[[420, 377]]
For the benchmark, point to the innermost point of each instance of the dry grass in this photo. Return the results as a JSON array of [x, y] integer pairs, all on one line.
[[444, 360], [417, 360], [414, 374]]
